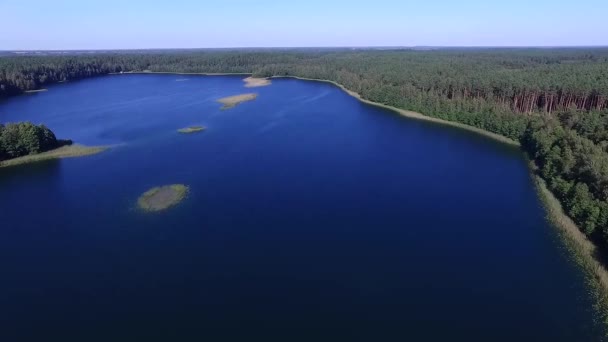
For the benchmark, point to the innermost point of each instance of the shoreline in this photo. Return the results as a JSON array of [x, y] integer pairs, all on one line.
[[184, 73], [412, 114], [580, 248], [68, 151]]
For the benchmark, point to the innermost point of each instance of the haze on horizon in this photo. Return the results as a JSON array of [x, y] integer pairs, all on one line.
[[113, 24]]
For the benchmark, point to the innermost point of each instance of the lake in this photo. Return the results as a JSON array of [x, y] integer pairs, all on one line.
[[311, 217]]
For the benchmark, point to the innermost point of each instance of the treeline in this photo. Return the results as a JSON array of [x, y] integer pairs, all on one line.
[[21, 139], [518, 80], [554, 101], [20, 74]]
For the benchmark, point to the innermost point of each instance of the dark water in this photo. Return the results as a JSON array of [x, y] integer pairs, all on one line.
[[311, 217]]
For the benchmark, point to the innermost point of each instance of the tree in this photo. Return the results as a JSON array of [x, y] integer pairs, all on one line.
[[19, 139]]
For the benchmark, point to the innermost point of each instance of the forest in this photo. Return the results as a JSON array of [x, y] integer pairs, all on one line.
[[553, 101]]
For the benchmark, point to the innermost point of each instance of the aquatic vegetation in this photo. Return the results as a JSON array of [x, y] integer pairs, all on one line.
[[585, 253], [162, 197], [68, 151], [253, 82], [233, 101], [192, 129]]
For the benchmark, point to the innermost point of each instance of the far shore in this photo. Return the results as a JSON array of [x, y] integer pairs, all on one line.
[[184, 73], [68, 151]]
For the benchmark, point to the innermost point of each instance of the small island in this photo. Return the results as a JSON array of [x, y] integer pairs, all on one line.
[[24, 142], [36, 91], [192, 129], [253, 82], [162, 197], [233, 101]]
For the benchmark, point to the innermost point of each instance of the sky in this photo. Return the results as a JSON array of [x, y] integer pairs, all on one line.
[[137, 24]]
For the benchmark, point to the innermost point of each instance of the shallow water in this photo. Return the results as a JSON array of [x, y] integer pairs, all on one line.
[[311, 216]]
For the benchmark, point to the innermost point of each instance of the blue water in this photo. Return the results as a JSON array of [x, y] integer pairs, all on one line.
[[311, 217]]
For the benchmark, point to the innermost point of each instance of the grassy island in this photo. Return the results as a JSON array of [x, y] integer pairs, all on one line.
[[67, 151], [162, 197], [233, 101], [253, 82], [192, 129]]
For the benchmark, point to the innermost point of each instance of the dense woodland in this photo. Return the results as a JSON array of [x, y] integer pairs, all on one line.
[[553, 101], [20, 139]]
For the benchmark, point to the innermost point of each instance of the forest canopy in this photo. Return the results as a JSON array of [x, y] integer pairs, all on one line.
[[21, 139], [553, 101]]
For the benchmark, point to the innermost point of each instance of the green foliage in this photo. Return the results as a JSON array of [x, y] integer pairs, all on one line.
[[20, 139], [576, 169], [554, 101]]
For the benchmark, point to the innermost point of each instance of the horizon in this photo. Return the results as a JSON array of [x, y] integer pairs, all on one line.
[[66, 25], [436, 47]]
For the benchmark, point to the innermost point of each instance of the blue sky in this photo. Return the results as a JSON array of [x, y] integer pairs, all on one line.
[[113, 24]]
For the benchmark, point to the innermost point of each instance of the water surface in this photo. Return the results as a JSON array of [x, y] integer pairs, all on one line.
[[311, 217]]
